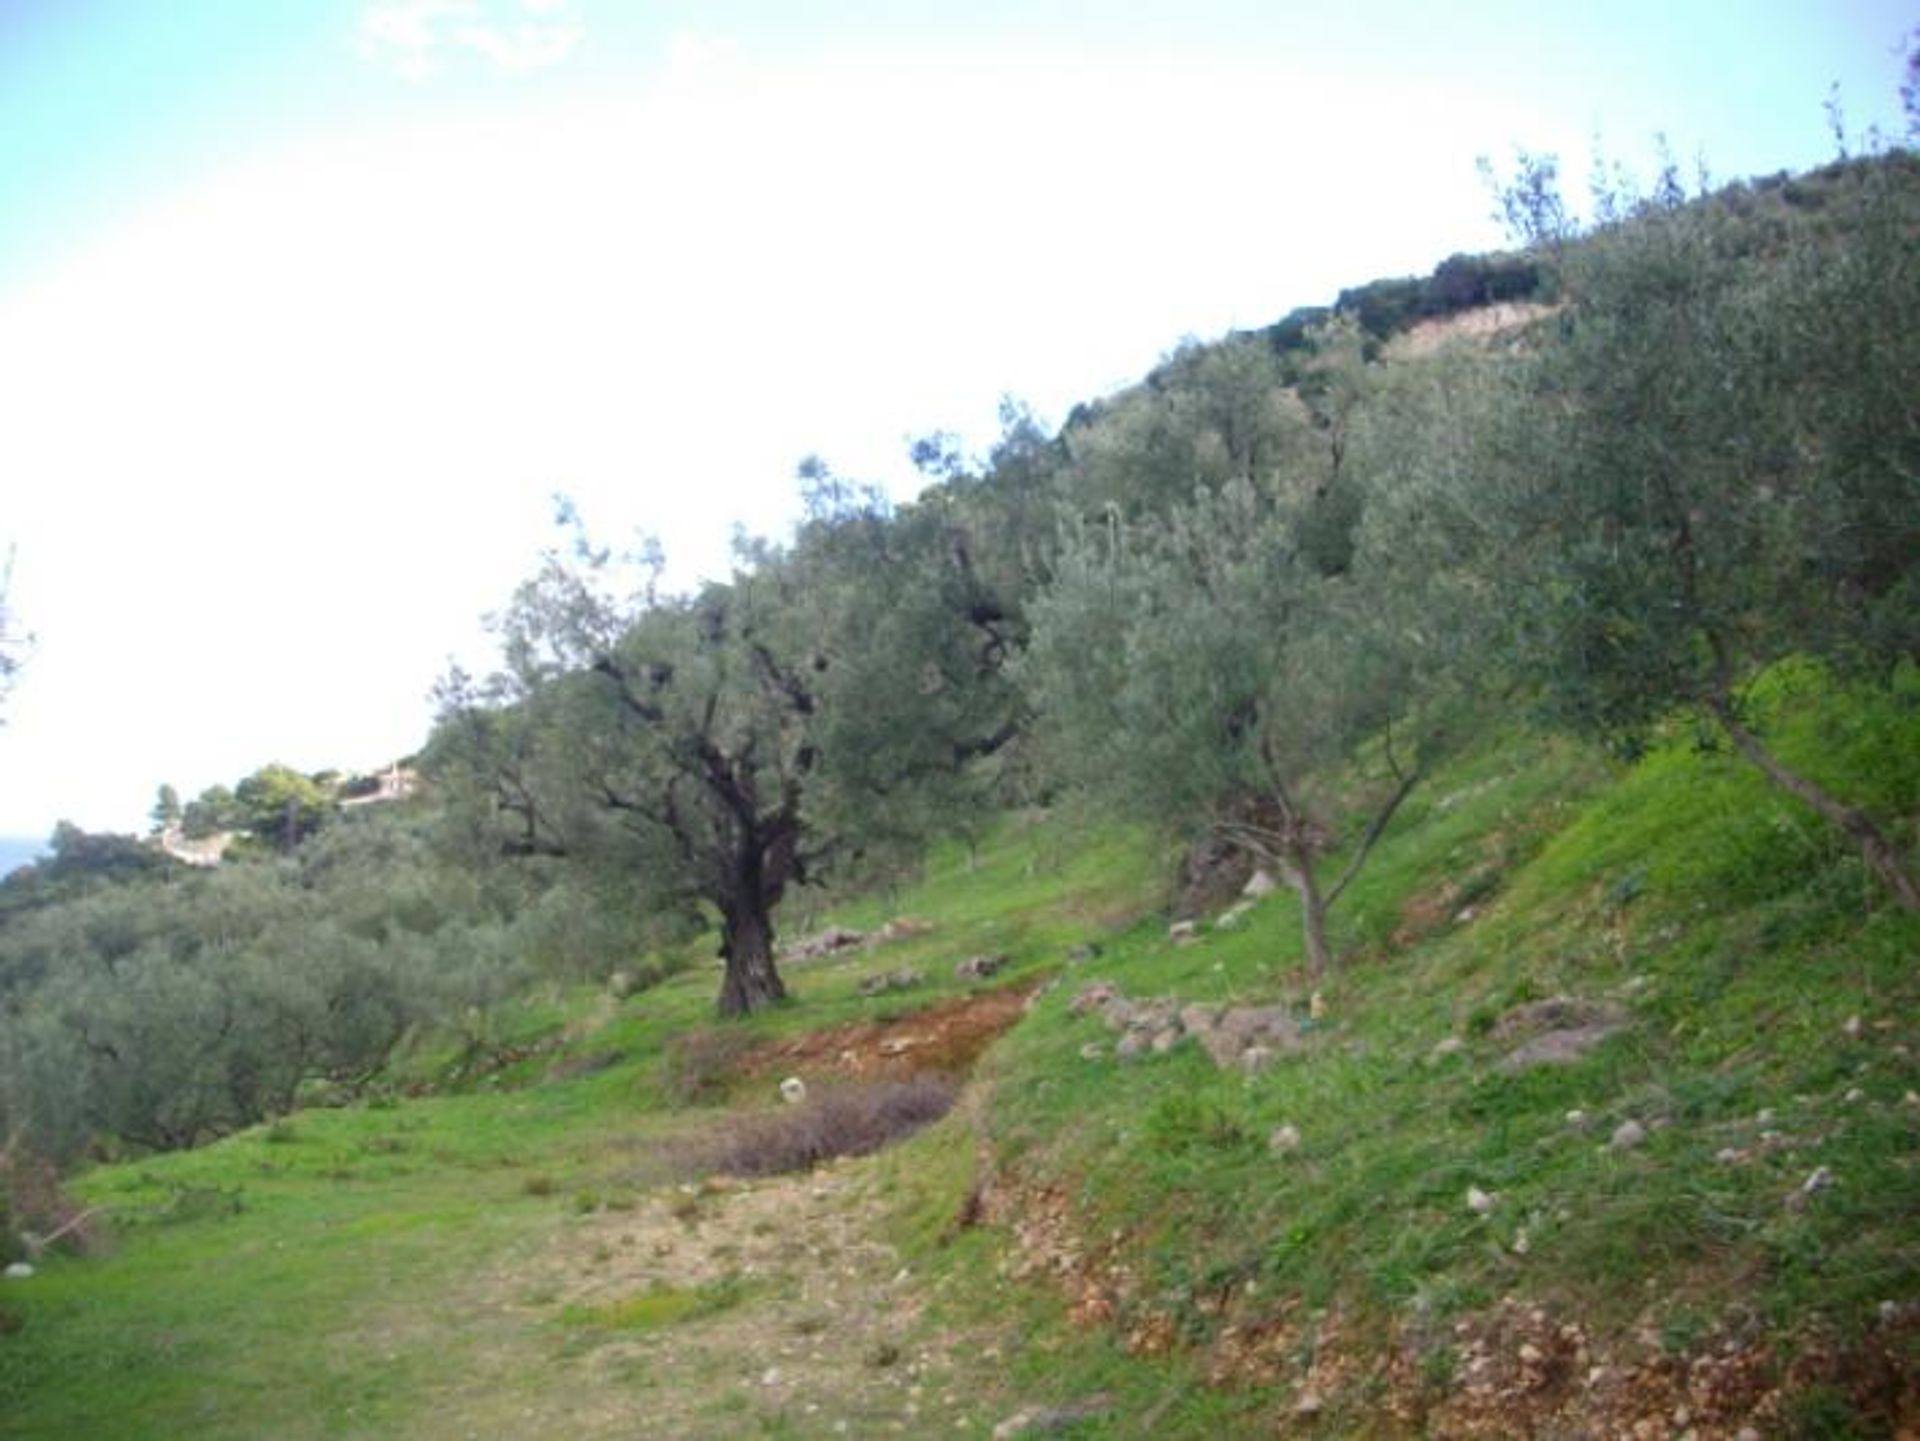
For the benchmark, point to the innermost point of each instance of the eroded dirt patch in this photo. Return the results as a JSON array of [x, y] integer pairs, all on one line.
[[823, 1334], [948, 1037]]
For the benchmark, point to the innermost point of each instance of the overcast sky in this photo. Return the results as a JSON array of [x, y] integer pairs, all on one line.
[[307, 308]]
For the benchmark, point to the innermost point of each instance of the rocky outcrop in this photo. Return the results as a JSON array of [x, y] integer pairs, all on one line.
[[1234, 1037]]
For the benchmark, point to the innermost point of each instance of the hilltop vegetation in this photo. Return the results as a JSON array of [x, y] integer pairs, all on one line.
[[1562, 679]]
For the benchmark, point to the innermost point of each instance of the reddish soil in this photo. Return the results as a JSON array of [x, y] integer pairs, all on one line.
[[947, 1038]]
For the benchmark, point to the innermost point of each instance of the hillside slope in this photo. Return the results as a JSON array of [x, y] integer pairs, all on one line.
[[1698, 1220]]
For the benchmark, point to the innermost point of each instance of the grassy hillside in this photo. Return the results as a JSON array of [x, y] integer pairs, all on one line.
[[1705, 1222]]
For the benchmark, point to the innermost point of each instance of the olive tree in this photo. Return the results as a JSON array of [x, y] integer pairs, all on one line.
[[717, 749], [1203, 675], [1715, 464]]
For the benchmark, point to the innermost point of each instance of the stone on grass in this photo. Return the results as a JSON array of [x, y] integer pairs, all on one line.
[[18, 1271], [1198, 1019], [1283, 1139], [1480, 1202], [904, 979], [793, 1090], [1627, 1135], [1045, 1420], [1555, 1032], [978, 968], [1183, 933], [1260, 883]]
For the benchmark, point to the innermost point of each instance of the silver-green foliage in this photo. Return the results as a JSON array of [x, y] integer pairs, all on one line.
[[1713, 461]]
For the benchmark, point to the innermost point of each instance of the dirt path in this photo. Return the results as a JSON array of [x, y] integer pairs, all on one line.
[[761, 1309]]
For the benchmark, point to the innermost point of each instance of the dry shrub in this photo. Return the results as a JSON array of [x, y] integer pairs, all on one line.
[[36, 1214], [702, 1064], [847, 1120]]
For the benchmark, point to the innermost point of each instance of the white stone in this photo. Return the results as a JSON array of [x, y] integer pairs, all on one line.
[[18, 1271], [1481, 1202], [793, 1090], [1283, 1139]]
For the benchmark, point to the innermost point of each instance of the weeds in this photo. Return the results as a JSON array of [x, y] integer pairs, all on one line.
[[702, 1064], [847, 1120]]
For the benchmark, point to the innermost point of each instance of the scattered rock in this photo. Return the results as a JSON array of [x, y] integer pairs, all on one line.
[[904, 979], [1627, 1135], [1317, 1007], [1198, 1020], [1094, 997], [1309, 1404], [1229, 1034], [1556, 1031], [793, 1090], [826, 943], [1044, 1420], [901, 928], [1092, 1051], [1577, 1119], [17, 1271], [1446, 1046], [1232, 917], [1283, 1139], [1852, 1028], [1480, 1202], [1183, 933], [1854, 1095], [1822, 1179], [978, 968], [1260, 883]]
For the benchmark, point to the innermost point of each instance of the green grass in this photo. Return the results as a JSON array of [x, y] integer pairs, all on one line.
[[657, 1306], [304, 1279]]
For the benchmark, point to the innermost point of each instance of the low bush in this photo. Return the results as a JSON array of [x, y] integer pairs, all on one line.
[[701, 1064], [847, 1120]]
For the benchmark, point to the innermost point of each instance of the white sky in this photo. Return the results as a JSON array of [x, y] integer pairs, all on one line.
[[283, 414]]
